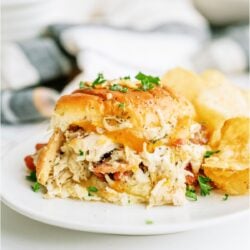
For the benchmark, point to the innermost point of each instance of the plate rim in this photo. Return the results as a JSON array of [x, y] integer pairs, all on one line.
[[153, 229]]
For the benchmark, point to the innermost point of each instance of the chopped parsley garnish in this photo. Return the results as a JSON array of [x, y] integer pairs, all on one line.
[[84, 85], [190, 193], [147, 81], [225, 197], [205, 187], [81, 153], [32, 176], [117, 87], [99, 80], [81, 85], [121, 105], [92, 189], [126, 77], [210, 153], [36, 187], [149, 222]]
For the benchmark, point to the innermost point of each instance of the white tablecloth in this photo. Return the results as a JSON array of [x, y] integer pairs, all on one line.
[[21, 233]]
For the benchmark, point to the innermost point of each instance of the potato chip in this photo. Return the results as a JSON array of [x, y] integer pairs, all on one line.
[[183, 82], [211, 93], [189, 84], [229, 168], [229, 181], [218, 103], [214, 77]]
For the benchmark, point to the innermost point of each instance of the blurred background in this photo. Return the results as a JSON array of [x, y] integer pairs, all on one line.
[[49, 46]]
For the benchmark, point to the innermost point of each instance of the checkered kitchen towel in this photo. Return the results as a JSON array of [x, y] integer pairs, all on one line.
[[27, 68], [38, 61], [33, 71]]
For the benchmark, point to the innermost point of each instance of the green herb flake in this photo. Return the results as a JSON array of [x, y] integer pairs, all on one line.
[[81, 153], [81, 85], [32, 176], [149, 222], [35, 187], [121, 105], [210, 153], [148, 82], [99, 80], [92, 189], [225, 197], [117, 87], [190, 193], [205, 187], [126, 78]]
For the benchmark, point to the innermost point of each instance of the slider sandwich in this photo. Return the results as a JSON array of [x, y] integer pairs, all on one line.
[[123, 142]]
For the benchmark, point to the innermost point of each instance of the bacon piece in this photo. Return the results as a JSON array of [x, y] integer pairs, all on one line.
[[190, 179], [100, 176], [179, 142], [117, 176], [201, 137], [30, 163], [40, 145]]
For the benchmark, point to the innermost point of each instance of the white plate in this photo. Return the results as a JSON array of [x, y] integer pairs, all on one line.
[[108, 218]]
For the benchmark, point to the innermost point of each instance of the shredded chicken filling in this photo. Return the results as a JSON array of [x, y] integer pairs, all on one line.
[[120, 174]]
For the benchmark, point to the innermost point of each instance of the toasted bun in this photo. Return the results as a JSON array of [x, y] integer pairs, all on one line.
[[139, 112], [47, 156]]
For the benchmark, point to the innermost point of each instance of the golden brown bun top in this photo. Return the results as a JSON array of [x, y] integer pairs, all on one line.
[[141, 113]]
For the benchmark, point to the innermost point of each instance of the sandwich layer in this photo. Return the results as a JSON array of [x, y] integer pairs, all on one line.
[[123, 147], [148, 115]]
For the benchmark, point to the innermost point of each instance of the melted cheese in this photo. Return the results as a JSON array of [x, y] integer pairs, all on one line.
[[125, 137]]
